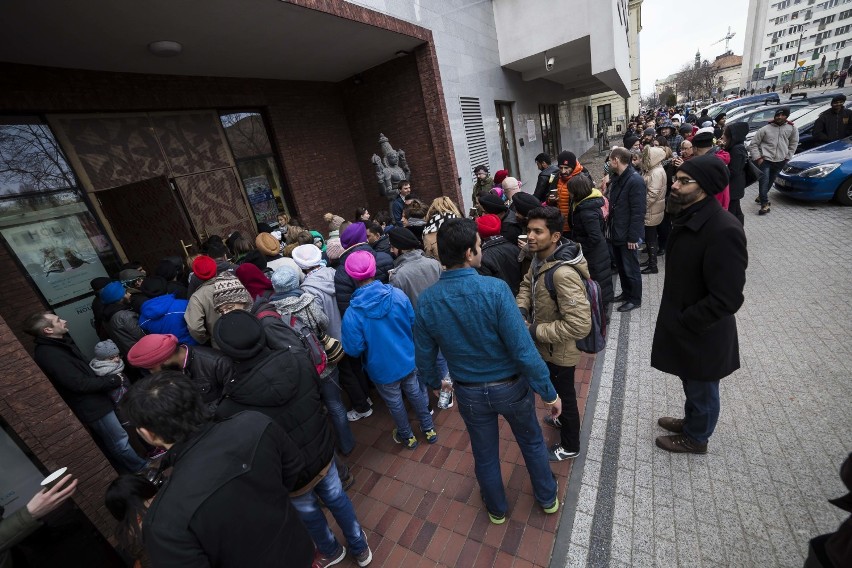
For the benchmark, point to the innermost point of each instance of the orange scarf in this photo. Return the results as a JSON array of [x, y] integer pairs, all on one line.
[[564, 202]]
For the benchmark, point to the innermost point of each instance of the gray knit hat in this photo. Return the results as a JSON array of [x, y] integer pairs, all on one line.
[[106, 349]]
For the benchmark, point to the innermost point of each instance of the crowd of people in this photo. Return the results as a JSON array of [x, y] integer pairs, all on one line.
[[246, 365]]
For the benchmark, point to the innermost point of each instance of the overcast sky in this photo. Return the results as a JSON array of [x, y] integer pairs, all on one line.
[[672, 31]]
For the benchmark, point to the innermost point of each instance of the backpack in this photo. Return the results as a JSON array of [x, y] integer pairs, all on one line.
[[309, 340], [596, 340]]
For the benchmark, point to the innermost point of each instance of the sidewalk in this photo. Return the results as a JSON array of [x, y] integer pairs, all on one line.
[[422, 508], [760, 493]]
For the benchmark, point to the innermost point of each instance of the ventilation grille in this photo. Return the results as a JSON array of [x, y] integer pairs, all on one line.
[[474, 131]]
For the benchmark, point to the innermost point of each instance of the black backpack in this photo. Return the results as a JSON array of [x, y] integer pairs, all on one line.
[[595, 342]]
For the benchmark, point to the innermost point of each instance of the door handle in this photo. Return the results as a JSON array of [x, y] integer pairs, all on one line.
[[186, 248]]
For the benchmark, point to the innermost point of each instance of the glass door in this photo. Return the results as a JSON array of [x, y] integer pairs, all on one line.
[[506, 123]]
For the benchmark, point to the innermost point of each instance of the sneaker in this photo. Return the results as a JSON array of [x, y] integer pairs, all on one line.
[[557, 454], [553, 422], [496, 519], [553, 508], [431, 436], [764, 209], [321, 560], [369, 401], [757, 200], [354, 415], [671, 424], [431, 410], [409, 443], [365, 557], [680, 444]]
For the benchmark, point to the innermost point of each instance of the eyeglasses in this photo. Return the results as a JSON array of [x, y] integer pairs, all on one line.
[[683, 180]]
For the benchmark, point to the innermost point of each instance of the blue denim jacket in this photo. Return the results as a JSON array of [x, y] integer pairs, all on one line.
[[476, 324]]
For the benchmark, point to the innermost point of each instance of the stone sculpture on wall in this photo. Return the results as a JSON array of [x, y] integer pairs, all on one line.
[[391, 168]]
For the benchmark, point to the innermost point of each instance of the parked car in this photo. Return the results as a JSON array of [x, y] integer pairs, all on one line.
[[759, 115], [821, 174], [804, 119], [727, 106]]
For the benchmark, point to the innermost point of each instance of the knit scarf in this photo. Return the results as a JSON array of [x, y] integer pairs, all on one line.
[[103, 367]]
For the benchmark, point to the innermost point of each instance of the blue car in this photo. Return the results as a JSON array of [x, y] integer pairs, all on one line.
[[821, 174]]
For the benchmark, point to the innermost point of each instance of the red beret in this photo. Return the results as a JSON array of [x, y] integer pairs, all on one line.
[[204, 267], [500, 176], [152, 350], [488, 225]]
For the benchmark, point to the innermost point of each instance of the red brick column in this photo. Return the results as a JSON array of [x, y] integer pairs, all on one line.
[[37, 414]]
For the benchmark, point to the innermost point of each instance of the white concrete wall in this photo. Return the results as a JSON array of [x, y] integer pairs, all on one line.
[[469, 61]]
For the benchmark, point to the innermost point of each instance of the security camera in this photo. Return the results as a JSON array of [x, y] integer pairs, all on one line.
[[549, 62]]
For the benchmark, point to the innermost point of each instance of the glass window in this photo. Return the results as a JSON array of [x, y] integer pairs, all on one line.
[[550, 135], [30, 158], [247, 135]]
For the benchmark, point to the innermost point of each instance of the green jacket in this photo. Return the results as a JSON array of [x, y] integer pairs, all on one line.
[[13, 530]]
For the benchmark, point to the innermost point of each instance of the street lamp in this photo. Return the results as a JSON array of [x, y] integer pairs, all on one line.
[[796, 58]]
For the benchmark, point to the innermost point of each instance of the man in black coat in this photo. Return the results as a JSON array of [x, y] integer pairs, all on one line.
[[696, 333], [499, 256], [283, 384], [547, 174], [834, 123], [226, 502], [82, 390], [627, 201]]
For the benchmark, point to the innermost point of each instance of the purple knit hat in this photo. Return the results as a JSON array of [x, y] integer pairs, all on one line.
[[353, 234], [361, 265]]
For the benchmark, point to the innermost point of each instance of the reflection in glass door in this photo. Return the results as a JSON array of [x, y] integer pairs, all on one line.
[[506, 123]]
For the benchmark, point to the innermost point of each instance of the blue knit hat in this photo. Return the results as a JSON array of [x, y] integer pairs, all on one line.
[[285, 279], [112, 293]]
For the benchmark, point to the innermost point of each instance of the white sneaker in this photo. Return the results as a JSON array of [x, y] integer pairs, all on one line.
[[354, 415]]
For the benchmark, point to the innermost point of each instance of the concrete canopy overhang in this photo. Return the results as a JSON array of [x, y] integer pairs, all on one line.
[[267, 39], [572, 69]]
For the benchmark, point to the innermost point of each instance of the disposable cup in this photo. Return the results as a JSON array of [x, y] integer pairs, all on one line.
[[54, 478]]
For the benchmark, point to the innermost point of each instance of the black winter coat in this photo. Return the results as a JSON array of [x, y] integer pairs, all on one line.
[[510, 228], [706, 260], [542, 183], [627, 201], [122, 326], [283, 384], [226, 502], [588, 228], [344, 286], [74, 380], [382, 245], [209, 370], [500, 260], [830, 126], [739, 159]]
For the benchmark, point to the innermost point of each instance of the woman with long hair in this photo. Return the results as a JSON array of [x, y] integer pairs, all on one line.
[[441, 209], [588, 225], [362, 215], [127, 499]]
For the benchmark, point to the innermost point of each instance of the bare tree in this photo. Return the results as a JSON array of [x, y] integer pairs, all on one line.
[[31, 160]]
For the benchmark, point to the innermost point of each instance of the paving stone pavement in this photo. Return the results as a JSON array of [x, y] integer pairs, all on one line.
[[760, 493]]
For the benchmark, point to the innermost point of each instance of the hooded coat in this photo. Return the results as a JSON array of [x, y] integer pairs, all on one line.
[[165, 314], [739, 159], [378, 328], [706, 259], [589, 229], [345, 286], [627, 203], [557, 325], [655, 182], [500, 260], [413, 272], [320, 283]]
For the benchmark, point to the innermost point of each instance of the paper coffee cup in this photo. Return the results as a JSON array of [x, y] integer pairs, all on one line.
[[53, 478]]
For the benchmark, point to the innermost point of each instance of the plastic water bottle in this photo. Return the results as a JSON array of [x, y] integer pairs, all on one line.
[[446, 394]]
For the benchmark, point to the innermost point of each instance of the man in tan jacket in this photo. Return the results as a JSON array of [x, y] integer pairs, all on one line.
[[556, 321]]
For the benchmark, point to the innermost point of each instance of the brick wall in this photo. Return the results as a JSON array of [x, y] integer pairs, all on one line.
[[34, 410]]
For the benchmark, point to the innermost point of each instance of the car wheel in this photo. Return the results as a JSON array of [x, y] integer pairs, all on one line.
[[844, 193]]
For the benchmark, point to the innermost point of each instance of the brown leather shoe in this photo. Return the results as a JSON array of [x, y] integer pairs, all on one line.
[[671, 424], [680, 443]]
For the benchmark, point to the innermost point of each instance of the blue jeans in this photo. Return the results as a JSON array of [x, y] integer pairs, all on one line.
[[479, 407], [332, 494], [117, 443], [770, 170], [701, 409], [330, 394], [416, 395], [629, 273]]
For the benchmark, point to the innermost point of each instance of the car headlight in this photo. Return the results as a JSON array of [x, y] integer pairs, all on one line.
[[819, 171]]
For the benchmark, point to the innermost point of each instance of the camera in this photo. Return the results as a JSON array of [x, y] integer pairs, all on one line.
[[549, 63]]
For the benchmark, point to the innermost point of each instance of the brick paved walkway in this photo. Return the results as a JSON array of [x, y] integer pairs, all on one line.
[[422, 508]]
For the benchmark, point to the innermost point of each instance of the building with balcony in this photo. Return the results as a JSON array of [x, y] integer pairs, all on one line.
[[796, 40], [133, 131]]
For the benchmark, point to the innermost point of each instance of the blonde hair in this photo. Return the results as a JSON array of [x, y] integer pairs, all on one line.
[[442, 205]]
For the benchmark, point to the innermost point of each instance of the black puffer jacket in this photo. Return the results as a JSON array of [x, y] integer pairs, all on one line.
[[282, 384], [210, 370], [588, 228], [122, 326], [500, 260], [627, 202], [344, 286], [542, 183], [74, 380], [739, 159]]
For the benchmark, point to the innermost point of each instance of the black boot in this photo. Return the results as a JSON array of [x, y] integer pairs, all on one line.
[[652, 261]]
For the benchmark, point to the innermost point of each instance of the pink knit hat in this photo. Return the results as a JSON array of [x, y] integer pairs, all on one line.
[[361, 265], [152, 350]]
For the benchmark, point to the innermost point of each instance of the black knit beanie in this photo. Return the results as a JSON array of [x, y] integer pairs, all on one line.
[[239, 335], [524, 203], [566, 158], [710, 172], [492, 203], [403, 239]]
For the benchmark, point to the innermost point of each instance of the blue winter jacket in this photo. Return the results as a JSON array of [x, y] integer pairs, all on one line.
[[164, 314], [377, 327]]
